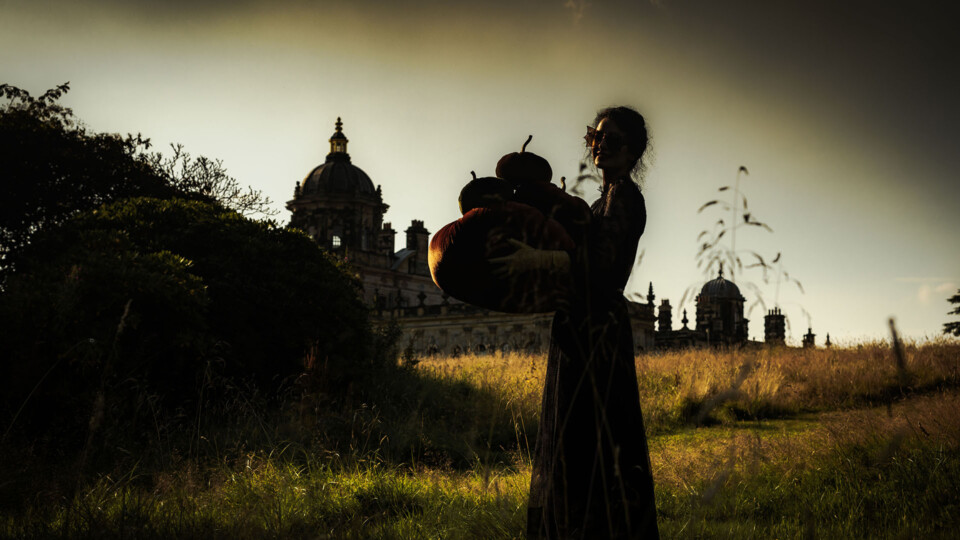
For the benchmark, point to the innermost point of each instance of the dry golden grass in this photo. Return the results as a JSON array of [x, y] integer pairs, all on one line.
[[859, 393], [768, 381], [517, 377], [704, 386]]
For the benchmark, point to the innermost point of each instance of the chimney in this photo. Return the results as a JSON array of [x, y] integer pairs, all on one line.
[[665, 316], [387, 240], [418, 238], [774, 327]]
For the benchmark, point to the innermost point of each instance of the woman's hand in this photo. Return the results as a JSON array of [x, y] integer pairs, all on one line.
[[526, 258]]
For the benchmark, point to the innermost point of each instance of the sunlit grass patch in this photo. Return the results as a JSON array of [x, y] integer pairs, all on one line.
[[710, 386], [714, 385], [860, 490], [272, 498]]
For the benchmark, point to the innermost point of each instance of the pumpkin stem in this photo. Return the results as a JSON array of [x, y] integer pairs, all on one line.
[[473, 174], [526, 143]]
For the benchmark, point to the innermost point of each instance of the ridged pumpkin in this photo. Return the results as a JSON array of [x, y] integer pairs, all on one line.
[[520, 167], [460, 252]]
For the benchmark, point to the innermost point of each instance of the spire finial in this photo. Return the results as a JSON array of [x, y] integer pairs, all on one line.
[[338, 141], [721, 268]]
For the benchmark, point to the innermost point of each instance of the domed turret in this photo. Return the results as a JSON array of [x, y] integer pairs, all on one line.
[[337, 175], [720, 311], [338, 205], [720, 288]]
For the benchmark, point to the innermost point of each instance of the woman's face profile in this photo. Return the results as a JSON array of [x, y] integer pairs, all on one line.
[[610, 152]]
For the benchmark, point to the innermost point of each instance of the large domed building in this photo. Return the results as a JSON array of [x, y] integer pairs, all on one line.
[[719, 318], [341, 208]]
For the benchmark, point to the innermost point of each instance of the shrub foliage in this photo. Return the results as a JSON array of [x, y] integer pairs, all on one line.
[[159, 291], [129, 282]]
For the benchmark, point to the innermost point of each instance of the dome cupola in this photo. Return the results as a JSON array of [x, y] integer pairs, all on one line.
[[719, 287], [720, 312], [338, 141], [336, 175], [338, 206]]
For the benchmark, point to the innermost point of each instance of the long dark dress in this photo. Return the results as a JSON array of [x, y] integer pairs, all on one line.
[[591, 468]]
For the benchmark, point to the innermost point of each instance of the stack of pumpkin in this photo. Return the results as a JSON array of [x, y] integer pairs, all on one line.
[[501, 214]]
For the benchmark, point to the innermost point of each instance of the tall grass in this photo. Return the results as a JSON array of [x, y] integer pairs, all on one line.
[[272, 497], [707, 386], [744, 443], [715, 385]]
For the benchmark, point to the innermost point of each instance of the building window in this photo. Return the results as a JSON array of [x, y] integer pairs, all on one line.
[[335, 241]]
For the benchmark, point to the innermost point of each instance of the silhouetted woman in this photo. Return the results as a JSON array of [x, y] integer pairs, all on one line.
[[591, 468]]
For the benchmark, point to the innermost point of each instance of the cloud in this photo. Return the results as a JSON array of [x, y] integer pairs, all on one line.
[[928, 292], [945, 287], [916, 279]]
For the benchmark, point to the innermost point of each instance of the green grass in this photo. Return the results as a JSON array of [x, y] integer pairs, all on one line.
[[276, 498], [876, 488], [441, 452], [851, 494]]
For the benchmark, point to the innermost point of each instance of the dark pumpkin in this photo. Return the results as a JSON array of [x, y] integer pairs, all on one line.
[[460, 252], [572, 212], [484, 192], [521, 167]]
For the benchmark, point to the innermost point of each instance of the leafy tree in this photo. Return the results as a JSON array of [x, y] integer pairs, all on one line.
[[99, 315], [208, 178], [54, 168], [159, 293], [130, 278], [953, 327]]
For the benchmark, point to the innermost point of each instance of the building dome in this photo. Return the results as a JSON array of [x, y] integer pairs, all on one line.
[[337, 174], [720, 288]]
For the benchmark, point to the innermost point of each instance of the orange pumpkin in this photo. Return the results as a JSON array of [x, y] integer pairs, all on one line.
[[460, 251]]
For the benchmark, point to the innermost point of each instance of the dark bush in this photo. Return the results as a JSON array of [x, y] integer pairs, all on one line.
[[158, 291], [53, 168]]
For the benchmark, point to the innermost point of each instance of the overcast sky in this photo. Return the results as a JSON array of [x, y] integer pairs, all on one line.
[[844, 112]]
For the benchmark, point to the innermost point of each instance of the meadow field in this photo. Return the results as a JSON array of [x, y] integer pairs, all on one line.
[[845, 442]]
